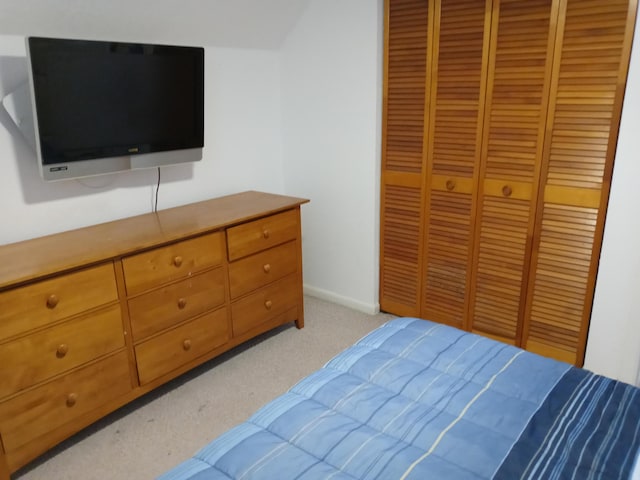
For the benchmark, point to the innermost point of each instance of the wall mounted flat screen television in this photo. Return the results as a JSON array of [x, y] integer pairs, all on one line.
[[102, 107]]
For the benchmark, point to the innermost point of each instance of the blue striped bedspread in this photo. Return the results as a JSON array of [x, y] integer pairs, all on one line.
[[420, 400]]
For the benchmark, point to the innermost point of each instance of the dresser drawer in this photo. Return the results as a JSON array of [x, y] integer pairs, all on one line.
[[174, 348], [261, 234], [172, 262], [37, 357], [265, 304], [262, 268], [51, 405], [166, 306], [38, 304]]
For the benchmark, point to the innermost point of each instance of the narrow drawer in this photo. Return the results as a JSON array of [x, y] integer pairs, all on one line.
[[265, 304], [262, 268], [37, 357], [261, 234], [172, 262], [49, 406], [174, 348], [38, 304], [164, 307]]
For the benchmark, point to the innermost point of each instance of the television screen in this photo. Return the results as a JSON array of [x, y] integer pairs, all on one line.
[[100, 100]]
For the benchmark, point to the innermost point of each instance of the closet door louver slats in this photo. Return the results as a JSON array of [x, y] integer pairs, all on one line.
[[405, 85], [519, 81], [591, 65], [401, 246], [500, 123], [561, 280], [406, 37], [460, 41]]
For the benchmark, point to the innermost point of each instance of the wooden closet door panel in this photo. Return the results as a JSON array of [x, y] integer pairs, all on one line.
[[448, 251], [404, 105], [590, 68], [523, 36], [562, 280], [461, 37], [406, 76], [500, 264], [400, 247]]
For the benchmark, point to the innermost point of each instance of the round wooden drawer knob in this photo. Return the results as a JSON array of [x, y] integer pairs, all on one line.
[[177, 261], [186, 345], [266, 233], [266, 267], [52, 301], [506, 191], [72, 398], [268, 304], [182, 302], [62, 350], [450, 185]]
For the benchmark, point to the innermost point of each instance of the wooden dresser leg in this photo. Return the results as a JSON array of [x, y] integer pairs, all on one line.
[[300, 319]]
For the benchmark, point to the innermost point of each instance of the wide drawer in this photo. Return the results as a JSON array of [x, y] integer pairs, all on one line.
[[264, 304], [37, 357], [172, 262], [49, 406], [252, 237], [172, 349], [162, 308], [262, 268], [24, 308]]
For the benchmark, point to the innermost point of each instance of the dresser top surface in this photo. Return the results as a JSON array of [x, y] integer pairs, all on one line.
[[43, 256]]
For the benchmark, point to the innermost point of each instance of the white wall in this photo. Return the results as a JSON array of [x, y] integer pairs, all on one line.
[[243, 150], [613, 348], [331, 79]]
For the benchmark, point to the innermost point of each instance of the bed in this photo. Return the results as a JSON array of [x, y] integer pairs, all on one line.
[[419, 400]]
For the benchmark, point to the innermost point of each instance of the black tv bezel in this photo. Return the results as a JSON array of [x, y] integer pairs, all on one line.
[[113, 157]]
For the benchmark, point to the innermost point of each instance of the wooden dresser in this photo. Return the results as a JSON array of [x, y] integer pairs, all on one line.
[[93, 318]]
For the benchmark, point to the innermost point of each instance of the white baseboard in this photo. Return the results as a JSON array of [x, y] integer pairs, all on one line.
[[369, 308]]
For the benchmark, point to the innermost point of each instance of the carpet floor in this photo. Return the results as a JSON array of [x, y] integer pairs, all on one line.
[[168, 425]]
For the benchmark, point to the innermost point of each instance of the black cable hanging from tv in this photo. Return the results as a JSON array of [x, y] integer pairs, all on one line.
[[155, 206]]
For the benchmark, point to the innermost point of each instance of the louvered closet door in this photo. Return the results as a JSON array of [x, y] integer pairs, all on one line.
[[522, 40], [589, 75], [461, 40], [406, 50]]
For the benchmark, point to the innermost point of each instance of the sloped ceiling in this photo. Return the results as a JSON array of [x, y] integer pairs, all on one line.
[[260, 24]]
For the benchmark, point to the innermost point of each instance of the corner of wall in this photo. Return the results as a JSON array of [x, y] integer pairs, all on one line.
[[368, 308]]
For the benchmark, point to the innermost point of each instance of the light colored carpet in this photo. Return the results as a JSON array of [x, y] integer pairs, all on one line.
[[163, 428]]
